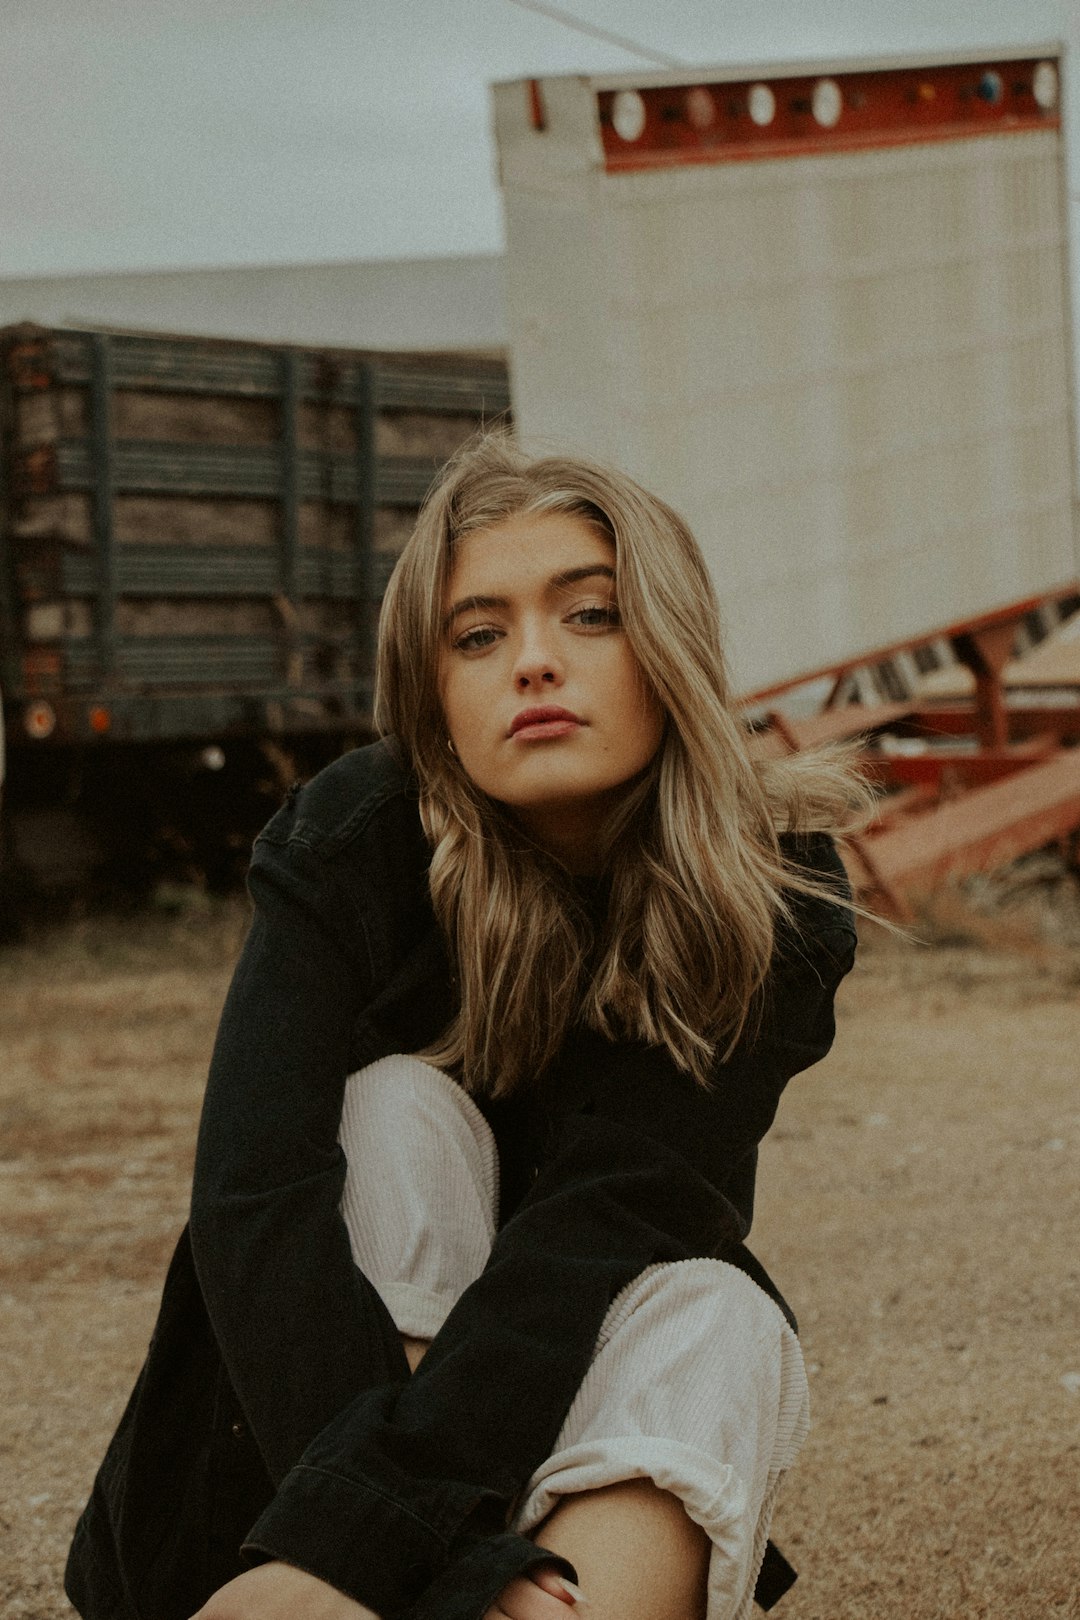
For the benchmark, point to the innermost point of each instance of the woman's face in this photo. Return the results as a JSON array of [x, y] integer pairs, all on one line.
[[544, 701]]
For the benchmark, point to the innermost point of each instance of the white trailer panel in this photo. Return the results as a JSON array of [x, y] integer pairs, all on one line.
[[840, 348]]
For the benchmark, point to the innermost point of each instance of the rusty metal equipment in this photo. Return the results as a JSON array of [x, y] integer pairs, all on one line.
[[973, 770]]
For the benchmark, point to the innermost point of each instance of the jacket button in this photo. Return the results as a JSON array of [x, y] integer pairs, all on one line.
[[237, 1430]]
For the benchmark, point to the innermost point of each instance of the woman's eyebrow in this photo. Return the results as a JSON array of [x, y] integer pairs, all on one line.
[[557, 582], [571, 576], [469, 604]]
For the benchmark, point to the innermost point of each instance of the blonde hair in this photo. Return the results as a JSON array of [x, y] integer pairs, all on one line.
[[692, 857]]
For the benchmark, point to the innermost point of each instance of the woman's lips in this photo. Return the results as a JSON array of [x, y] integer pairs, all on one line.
[[536, 725]]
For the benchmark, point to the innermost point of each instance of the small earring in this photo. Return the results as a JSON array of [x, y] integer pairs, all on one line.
[[450, 746]]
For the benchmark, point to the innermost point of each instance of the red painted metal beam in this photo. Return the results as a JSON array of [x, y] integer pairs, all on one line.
[[780, 116], [903, 800], [981, 829], [986, 652], [956, 769], [838, 725], [1011, 613], [957, 719]]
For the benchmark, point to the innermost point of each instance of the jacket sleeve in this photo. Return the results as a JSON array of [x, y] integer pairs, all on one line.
[[290, 1311], [427, 1471], [303, 1334]]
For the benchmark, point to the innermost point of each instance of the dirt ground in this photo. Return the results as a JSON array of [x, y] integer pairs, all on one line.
[[919, 1202]]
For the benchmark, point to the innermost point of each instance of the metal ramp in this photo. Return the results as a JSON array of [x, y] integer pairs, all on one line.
[[975, 766]]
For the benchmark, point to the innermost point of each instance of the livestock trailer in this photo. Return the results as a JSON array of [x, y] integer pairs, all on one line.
[[194, 539]]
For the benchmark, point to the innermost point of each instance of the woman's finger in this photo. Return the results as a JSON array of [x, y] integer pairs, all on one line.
[[549, 1580], [524, 1599]]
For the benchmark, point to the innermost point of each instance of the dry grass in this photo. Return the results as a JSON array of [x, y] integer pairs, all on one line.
[[919, 1201]]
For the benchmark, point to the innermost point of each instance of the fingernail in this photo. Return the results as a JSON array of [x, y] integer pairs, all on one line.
[[575, 1593]]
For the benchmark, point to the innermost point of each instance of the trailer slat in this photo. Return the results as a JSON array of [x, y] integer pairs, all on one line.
[[153, 467], [153, 570], [197, 660], [184, 366]]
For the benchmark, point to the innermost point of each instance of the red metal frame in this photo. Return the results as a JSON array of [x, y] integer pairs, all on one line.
[[1010, 613], [711, 123], [974, 831], [965, 785]]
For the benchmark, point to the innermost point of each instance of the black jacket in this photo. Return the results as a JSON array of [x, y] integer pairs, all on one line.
[[274, 1411]]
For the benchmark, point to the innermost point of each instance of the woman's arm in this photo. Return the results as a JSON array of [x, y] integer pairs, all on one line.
[[300, 1329], [717, 1130]]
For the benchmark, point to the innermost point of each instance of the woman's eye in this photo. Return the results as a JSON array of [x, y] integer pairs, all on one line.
[[596, 618], [475, 640]]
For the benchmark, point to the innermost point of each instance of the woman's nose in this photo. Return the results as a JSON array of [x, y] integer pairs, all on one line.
[[536, 666]]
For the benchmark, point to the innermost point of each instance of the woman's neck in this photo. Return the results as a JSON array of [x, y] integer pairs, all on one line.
[[570, 833]]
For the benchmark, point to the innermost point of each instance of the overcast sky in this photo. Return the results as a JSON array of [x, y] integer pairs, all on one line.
[[145, 134]]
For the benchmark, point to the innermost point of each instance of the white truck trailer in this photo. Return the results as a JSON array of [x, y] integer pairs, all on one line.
[[823, 309]]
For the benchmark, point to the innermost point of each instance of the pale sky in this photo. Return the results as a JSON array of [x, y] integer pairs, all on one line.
[[156, 134]]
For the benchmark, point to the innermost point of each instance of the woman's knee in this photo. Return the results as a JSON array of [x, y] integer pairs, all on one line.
[[711, 1301], [421, 1188], [706, 1351]]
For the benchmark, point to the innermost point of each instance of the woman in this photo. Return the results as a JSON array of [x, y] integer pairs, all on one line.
[[458, 1334]]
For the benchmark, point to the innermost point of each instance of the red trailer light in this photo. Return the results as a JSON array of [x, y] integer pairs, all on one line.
[[99, 719], [39, 720]]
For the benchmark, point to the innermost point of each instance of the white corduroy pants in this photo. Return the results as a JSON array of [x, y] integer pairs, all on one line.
[[697, 1381]]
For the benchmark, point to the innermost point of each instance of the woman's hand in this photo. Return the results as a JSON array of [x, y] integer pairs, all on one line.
[[534, 1597], [277, 1591]]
